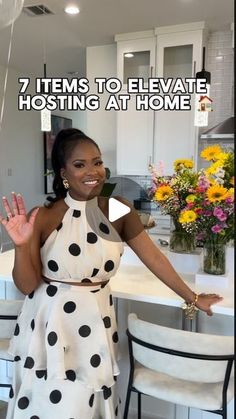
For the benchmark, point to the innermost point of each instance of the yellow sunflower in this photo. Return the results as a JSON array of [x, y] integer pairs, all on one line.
[[211, 170], [230, 192], [212, 152], [182, 164], [163, 193], [217, 193], [222, 157], [187, 216]]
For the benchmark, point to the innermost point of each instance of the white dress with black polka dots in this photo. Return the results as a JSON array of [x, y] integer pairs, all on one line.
[[65, 340]]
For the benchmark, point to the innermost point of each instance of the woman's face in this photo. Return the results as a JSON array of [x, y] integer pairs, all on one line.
[[84, 171]]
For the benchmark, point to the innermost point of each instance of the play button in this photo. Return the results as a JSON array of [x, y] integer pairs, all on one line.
[[116, 209]]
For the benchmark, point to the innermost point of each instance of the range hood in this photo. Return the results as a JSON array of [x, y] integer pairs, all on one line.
[[223, 130]]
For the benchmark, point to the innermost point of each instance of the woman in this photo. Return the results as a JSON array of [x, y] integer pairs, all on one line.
[[65, 341]]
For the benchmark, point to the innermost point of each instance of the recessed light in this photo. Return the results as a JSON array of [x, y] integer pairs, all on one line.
[[72, 10], [128, 55]]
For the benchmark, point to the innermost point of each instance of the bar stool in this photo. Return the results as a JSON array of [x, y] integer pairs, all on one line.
[[178, 366]]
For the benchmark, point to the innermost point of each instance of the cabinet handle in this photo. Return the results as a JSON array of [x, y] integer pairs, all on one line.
[[194, 69], [150, 160], [151, 71]]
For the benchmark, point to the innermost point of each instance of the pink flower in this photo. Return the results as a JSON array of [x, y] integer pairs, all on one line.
[[190, 205], [161, 167], [219, 213], [222, 217], [216, 228], [200, 236], [201, 189]]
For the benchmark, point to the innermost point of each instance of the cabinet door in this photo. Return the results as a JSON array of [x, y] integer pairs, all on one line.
[[178, 56], [134, 140], [135, 58]]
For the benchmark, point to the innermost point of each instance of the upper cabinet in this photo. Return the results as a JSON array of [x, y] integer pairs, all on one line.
[[179, 50], [135, 56], [155, 135], [179, 55]]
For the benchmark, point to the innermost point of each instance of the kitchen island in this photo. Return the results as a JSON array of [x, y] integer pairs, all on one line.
[[136, 289]]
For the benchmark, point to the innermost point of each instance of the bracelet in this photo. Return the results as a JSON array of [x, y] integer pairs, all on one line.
[[190, 308]]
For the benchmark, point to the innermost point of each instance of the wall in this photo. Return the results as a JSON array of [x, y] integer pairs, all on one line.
[[21, 147], [220, 63]]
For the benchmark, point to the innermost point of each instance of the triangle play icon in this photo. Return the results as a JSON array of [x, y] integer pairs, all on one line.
[[116, 209]]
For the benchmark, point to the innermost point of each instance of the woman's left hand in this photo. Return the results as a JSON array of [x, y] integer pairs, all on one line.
[[205, 301]]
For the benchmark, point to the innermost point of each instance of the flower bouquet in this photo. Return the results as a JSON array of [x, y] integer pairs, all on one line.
[[201, 204], [209, 209], [171, 192]]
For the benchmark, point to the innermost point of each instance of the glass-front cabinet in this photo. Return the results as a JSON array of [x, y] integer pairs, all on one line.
[[157, 135], [179, 55], [177, 61], [179, 52], [135, 56]]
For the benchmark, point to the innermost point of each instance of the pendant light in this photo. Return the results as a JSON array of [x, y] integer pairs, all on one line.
[[45, 113], [204, 74], [201, 117]]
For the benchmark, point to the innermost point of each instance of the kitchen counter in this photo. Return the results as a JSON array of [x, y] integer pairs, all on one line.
[[139, 284], [133, 281]]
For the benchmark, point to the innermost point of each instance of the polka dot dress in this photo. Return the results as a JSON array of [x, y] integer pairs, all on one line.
[[65, 340]]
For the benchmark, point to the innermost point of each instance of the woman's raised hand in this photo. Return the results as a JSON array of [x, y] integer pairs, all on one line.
[[16, 224]]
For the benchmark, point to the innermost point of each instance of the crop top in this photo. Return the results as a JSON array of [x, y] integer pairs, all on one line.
[[85, 247]]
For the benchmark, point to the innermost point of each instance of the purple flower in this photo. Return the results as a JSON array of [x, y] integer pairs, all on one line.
[[200, 236], [216, 228], [229, 200], [207, 213], [219, 213]]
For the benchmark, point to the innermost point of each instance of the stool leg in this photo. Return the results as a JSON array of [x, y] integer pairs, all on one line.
[[127, 404], [139, 405]]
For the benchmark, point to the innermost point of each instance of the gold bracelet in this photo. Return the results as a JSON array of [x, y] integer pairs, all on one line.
[[190, 308]]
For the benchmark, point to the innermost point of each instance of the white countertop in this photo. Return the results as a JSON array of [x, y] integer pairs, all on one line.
[[135, 282], [138, 283]]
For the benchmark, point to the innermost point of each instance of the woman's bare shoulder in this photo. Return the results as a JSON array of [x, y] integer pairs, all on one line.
[[49, 215]]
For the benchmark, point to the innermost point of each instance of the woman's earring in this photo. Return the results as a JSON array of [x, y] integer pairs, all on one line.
[[65, 183]]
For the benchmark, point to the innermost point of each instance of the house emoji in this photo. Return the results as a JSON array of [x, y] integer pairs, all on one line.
[[204, 104]]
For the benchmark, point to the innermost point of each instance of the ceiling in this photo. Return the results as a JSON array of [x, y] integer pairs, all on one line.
[[65, 37]]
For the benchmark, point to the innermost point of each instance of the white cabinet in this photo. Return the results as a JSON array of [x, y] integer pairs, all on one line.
[[135, 129], [147, 135], [179, 55], [135, 56], [134, 140]]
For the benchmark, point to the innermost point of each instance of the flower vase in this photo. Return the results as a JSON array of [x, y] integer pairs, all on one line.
[[214, 257], [180, 240]]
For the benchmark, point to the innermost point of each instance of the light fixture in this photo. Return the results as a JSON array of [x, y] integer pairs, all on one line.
[[204, 74], [72, 10], [128, 55], [201, 116], [45, 114]]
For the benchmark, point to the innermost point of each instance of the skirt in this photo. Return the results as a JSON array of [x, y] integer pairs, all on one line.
[[65, 355]]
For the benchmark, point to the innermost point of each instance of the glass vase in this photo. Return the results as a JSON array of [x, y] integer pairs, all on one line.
[[180, 240], [214, 256]]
